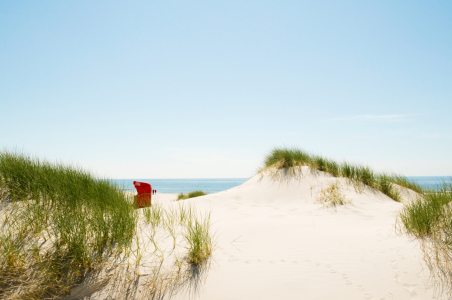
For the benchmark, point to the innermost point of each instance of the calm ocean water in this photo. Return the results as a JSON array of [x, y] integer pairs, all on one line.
[[209, 185], [215, 185], [430, 181]]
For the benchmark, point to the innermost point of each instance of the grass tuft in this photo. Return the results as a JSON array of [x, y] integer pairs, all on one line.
[[429, 219], [153, 215], [430, 214], [199, 238], [193, 194], [332, 197], [55, 223], [283, 158]]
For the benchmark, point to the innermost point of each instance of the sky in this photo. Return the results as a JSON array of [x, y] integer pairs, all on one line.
[[206, 89]]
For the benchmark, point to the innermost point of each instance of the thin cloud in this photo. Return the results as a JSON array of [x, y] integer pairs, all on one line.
[[395, 117]]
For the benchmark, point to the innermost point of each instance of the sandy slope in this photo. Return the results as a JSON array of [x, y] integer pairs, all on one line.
[[276, 242]]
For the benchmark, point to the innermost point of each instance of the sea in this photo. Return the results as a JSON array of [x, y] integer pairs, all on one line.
[[431, 182], [185, 185], [215, 185]]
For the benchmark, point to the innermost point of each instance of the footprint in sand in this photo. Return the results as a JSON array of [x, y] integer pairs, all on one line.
[[345, 277], [295, 262], [368, 295], [411, 288], [393, 265], [360, 287], [333, 271]]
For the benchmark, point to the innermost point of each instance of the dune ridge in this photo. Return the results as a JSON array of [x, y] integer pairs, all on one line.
[[277, 242]]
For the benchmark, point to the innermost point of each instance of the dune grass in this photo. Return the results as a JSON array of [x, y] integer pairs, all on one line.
[[430, 215], [430, 220], [154, 269], [193, 194], [56, 222], [199, 238], [284, 158], [332, 197], [184, 221], [153, 215]]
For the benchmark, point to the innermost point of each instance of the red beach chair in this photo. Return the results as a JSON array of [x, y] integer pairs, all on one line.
[[143, 199]]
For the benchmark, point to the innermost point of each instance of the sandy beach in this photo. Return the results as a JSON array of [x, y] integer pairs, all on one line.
[[274, 240], [300, 150]]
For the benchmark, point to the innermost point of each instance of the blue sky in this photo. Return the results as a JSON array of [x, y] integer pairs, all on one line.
[[201, 89]]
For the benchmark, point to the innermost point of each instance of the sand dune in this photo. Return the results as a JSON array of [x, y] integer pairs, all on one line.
[[275, 241]]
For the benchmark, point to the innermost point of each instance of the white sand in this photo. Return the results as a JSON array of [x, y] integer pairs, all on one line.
[[274, 241]]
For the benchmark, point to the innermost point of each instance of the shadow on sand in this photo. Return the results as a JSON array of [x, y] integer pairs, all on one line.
[[120, 283]]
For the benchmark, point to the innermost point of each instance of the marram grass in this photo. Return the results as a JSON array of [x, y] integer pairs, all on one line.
[[56, 223], [199, 237], [332, 197], [284, 158], [430, 214], [193, 194], [429, 219], [184, 221]]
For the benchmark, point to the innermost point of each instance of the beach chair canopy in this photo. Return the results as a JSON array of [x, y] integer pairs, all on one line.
[[142, 187]]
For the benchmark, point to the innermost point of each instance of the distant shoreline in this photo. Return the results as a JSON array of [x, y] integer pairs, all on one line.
[[215, 185], [185, 185], [429, 181]]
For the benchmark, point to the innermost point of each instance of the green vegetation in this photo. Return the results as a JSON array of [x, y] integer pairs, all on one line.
[[153, 215], [429, 215], [193, 194], [199, 238], [291, 158], [183, 221], [332, 197], [58, 222], [430, 220]]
